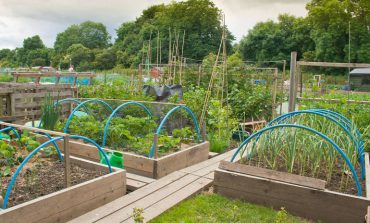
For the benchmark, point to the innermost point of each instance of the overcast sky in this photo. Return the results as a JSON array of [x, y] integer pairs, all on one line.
[[24, 18]]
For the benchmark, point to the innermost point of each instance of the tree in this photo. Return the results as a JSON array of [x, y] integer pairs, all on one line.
[[39, 57], [199, 19], [80, 55], [90, 34], [7, 58], [33, 53], [33, 43], [275, 40], [4, 53], [330, 20], [105, 59]]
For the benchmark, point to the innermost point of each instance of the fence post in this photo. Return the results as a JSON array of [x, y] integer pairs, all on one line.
[[292, 85], [155, 146], [67, 162]]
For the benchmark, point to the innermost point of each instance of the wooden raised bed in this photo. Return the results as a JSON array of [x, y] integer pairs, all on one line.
[[301, 196], [71, 202], [23, 101], [144, 166]]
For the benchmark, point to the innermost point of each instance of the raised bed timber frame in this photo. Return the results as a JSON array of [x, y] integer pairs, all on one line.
[[73, 201], [296, 76], [302, 196], [69, 203], [20, 102], [144, 166]]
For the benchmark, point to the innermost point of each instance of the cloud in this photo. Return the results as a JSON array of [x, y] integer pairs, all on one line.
[[20, 19], [242, 15]]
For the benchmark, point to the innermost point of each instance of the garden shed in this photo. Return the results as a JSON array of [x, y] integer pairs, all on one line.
[[360, 79]]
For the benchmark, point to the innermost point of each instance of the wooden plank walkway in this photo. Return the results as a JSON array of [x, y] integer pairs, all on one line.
[[158, 196], [135, 182]]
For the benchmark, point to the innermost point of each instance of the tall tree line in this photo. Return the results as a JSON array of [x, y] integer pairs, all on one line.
[[332, 31], [323, 35]]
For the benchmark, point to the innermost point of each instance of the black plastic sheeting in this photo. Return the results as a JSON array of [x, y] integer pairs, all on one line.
[[163, 93]]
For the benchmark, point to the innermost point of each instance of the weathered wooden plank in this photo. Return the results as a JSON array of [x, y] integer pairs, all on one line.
[[367, 217], [133, 185], [207, 163], [133, 163], [273, 175], [139, 178], [126, 212], [323, 205], [27, 113], [128, 199], [175, 198], [53, 133], [67, 203], [212, 154], [367, 175], [182, 159], [334, 100], [329, 64], [43, 94]]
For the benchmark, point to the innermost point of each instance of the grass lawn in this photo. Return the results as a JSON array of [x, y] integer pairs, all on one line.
[[216, 208]]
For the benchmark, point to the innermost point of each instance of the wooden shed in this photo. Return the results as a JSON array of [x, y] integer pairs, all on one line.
[[360, 79]]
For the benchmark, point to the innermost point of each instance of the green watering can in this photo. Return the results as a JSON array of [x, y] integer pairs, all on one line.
[[115, 159]]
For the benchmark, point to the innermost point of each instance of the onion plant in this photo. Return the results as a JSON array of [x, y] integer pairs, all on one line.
[[50, 113], [301, 152]]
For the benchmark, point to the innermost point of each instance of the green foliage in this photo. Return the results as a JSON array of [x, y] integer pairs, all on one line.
[[275, 40], [116, 90], [28, 142], [357, 113], [105, 59], [87, 126], [220, 124], [33, 53], [193, 97], [216, 208], [200, 19], [330, 22], [33, 43], [50, 113], [321, 36], [13, 152], [138, 215], [129, 134], [6, 150], [301, 152], [281, 216], [185, 134], [251, 101], [89, 34]]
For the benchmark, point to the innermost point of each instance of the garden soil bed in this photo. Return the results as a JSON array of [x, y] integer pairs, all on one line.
[[45, 177], [142, 165], [302, 196], [40, 195]]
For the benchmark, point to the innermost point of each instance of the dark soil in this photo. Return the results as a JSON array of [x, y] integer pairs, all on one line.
[[44, 177], [339, 181]]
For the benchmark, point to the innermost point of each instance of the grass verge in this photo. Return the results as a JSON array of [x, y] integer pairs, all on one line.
[[216, 208]]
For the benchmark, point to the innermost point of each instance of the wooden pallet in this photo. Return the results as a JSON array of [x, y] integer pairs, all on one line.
[[160, 195]]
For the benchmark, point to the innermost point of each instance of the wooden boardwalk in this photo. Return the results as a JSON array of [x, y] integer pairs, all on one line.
[[159, 195]]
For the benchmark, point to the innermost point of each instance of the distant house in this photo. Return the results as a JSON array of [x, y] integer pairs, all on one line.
[[360, 79]]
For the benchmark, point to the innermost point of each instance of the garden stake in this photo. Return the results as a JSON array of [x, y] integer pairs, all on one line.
[[155, 143], [67, 162]]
